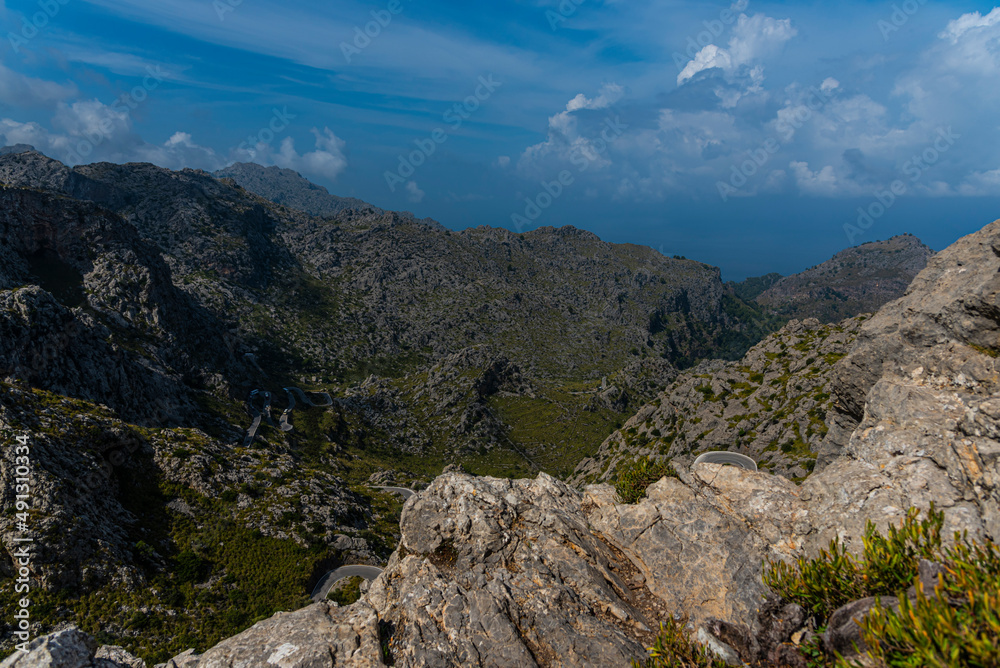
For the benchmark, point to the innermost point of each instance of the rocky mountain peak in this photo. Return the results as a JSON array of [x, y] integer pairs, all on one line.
[[856, 280], [289, 188]]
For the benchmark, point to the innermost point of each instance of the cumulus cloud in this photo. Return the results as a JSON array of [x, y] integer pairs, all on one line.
[[414, 193], [966, 23], [88, 131], [754, 38], [824, 182], [610, 94], [328, 160], [981, 184], [566, 142]]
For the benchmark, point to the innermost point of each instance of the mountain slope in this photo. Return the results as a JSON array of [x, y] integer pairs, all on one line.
[[771, 406], [535, 573], [856, 280]]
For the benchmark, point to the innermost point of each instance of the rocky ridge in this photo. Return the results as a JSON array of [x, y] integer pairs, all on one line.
[[289, 188]]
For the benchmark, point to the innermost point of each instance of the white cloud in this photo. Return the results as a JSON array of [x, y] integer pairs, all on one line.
[[90, 131], [414, 193], [327, 160], [28, 91], [758, 37], [610, 93], [823, 182], [754, 38], [979, 184], [710, 56], [968, 22], [827, 182], [565, 141]]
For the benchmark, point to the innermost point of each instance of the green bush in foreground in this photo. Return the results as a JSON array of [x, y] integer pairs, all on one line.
[[635, 476], [675, 649], [888, 566], [959, 626]]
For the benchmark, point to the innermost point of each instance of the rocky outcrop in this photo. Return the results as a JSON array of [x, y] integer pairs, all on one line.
[[70, 648], [319, 635], [497, 572], [918, 388]]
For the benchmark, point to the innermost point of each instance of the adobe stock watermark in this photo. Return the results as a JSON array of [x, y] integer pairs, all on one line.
[[914, 168], [124, 105], [563, 12], [21, 555], [280, 120], [454, 117], [31, 27], [900, 16], [756, 158], [581, 157], [363, 36], [223, 7], [714, 29]]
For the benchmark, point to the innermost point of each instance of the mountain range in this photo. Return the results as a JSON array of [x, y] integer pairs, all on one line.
[[140, 308]]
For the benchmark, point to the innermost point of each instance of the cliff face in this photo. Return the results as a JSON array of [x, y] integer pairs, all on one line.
[[532, 572]]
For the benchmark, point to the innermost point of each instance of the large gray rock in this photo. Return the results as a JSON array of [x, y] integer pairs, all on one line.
[[70, 648], [507, 573], [313, 637], [918, 390]]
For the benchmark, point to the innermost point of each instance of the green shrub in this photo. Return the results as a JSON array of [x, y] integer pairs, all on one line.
[[635, 476], [190, 567], [675, 649], [887, 566], [961, 628]]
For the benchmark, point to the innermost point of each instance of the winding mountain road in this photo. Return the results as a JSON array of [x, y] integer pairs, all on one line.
[[401, 491], [724, 457], [322, 588], [264, 413], [287, 413]]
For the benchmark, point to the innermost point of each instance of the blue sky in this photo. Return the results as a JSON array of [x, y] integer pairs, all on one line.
[[746, 135]]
